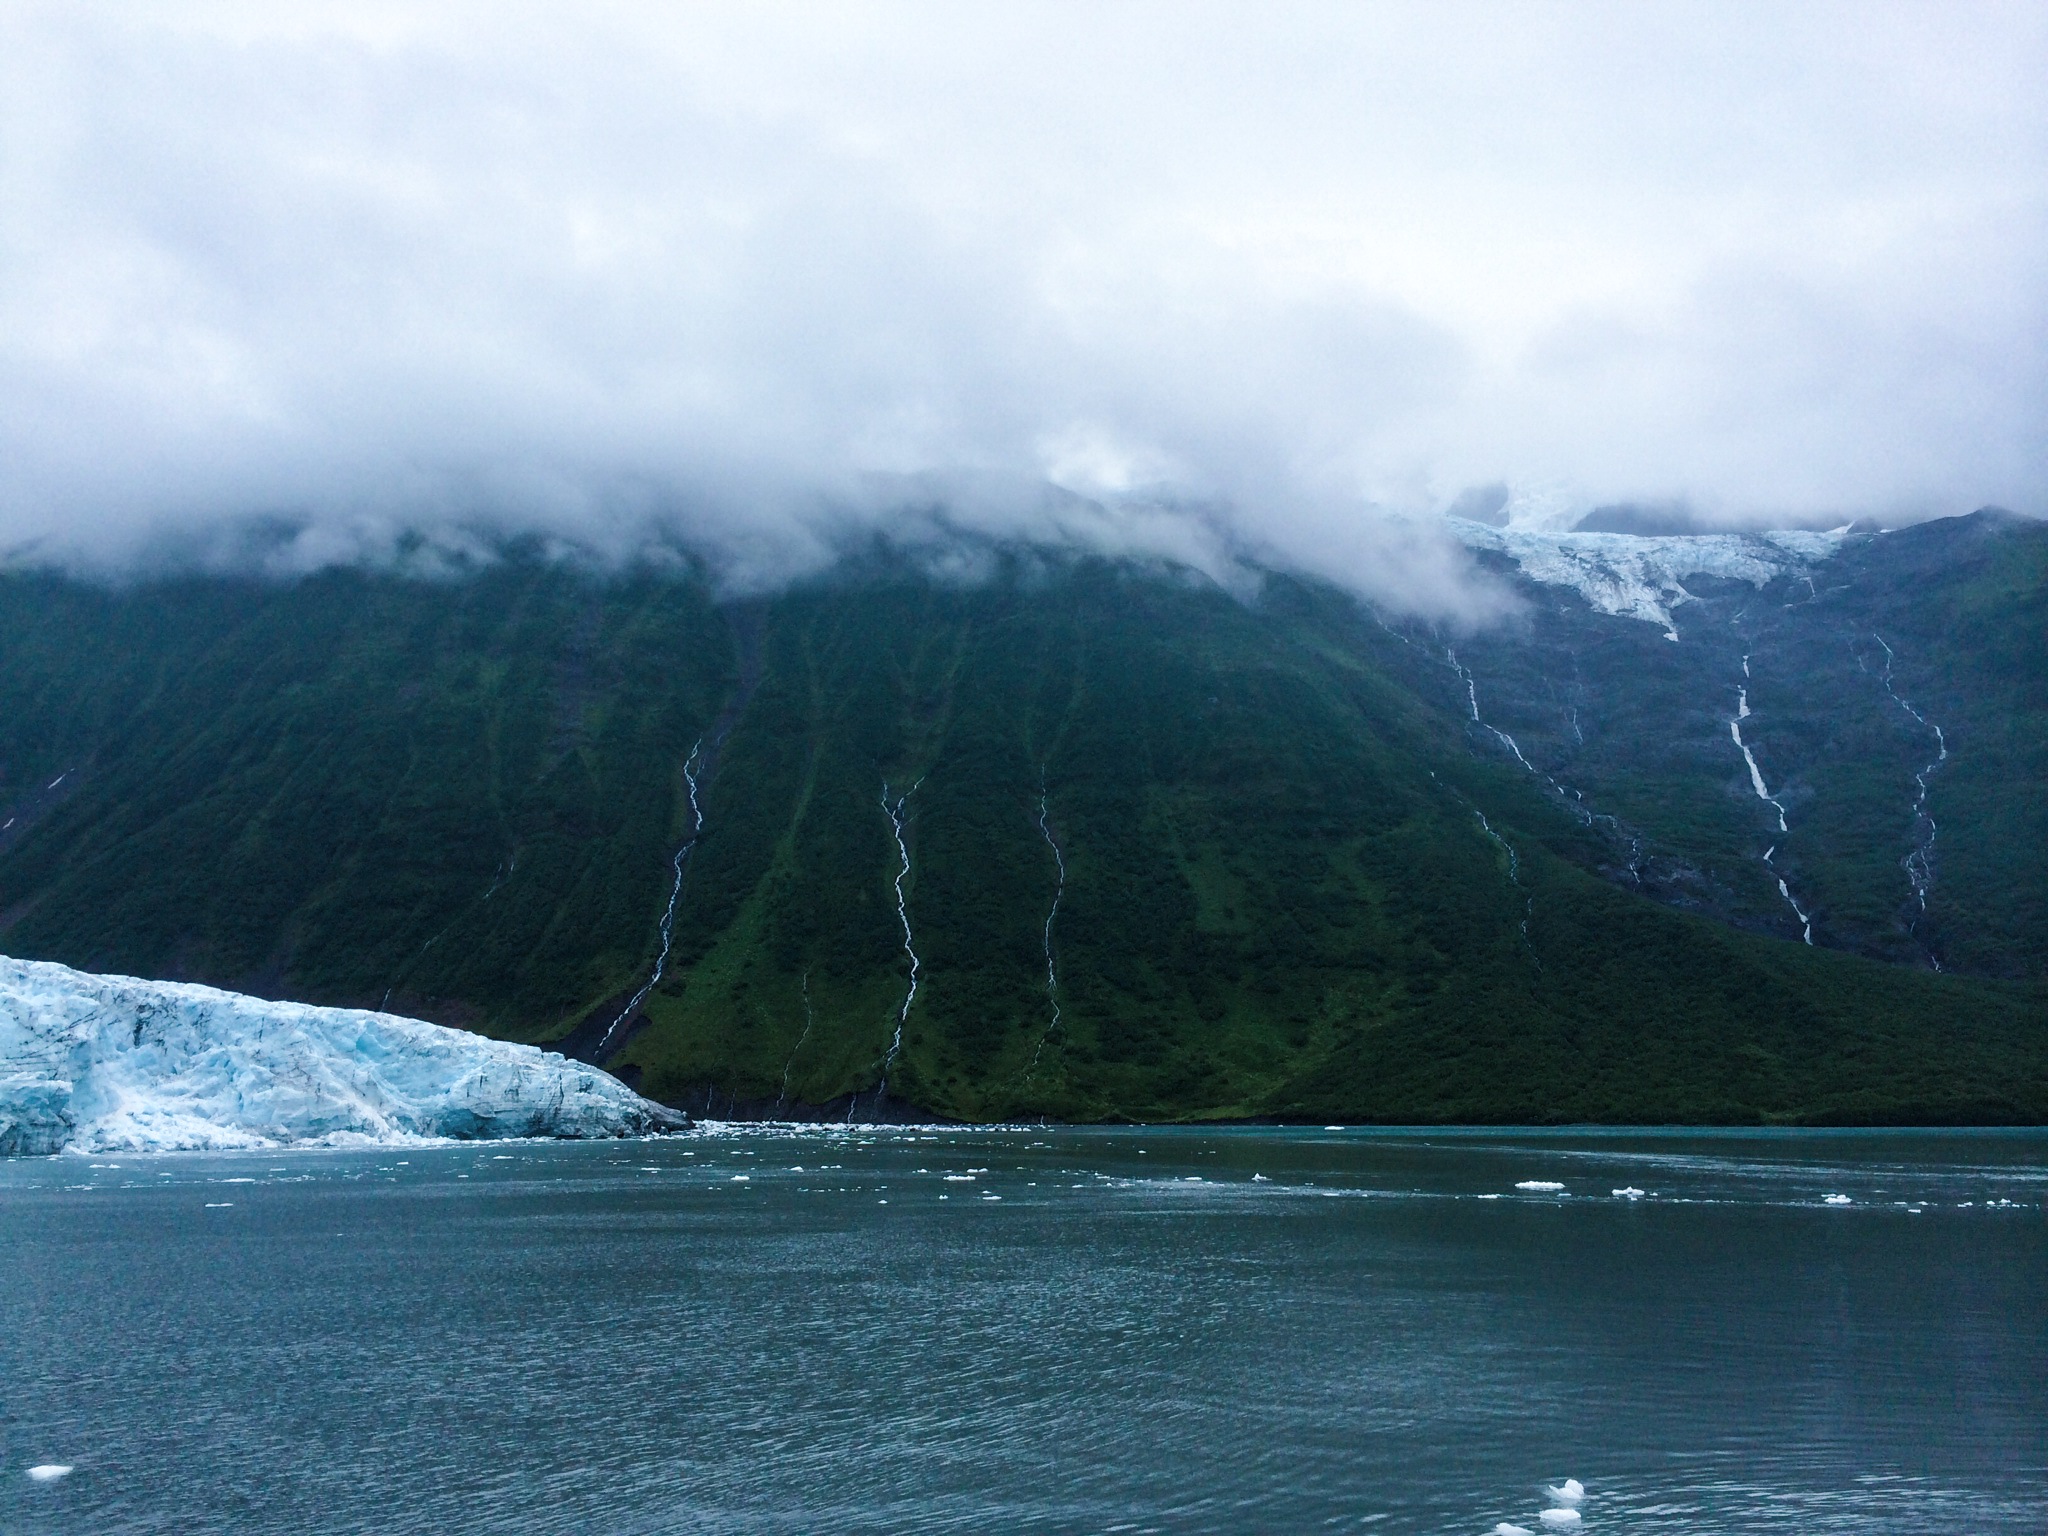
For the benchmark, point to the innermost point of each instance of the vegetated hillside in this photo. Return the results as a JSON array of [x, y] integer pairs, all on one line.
[[1897, 700], [1291, 877]]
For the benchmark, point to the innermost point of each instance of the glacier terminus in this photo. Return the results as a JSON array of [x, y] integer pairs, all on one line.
[[94, 1063]]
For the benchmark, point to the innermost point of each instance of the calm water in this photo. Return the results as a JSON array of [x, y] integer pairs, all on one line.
[[903, 1330]]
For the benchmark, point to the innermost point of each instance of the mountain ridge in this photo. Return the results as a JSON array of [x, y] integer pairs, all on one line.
[[1300, 881]]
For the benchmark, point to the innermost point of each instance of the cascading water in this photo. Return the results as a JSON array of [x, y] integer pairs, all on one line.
[[1472, 698], [894, 811], [1052, 978], [1471, 688], [788, 1066], [1573, 800], [1514, 879], [1919, 864], [680, 863], [1756, 782]]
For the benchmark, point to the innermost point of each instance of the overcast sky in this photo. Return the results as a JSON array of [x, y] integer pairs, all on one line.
[[1207, 282]]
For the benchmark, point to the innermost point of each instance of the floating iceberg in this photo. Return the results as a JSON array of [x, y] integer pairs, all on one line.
[[109, 1063]]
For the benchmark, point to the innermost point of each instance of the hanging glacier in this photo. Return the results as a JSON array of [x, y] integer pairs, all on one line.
[[110, 1063]]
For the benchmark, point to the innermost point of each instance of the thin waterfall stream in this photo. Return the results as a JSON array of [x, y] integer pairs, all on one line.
[[894, 810], [1756, 782], [1573, 800], [1514, 879], [788, 1066], [1052, 977], [1919, 864], [680, 863]]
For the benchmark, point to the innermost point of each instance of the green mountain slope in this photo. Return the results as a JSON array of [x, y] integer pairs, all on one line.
[[1290, 881]]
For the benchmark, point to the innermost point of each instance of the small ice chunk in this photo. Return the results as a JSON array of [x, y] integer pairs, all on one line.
[[220, 1205], [49, 1472], [1506, 1529], [1629, 1193], [1838, 1200], [1570, 1491], [739, 1178], [1547, 1186], [959, 1178], [1333, 1127], [1563, 1518]]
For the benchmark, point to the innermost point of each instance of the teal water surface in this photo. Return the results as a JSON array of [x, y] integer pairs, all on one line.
[[902, 1329]]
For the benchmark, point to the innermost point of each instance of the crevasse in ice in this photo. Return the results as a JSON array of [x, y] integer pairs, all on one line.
[[105, 1063]]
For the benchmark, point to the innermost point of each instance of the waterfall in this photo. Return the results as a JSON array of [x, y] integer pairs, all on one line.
[[1471, 690], [894, 811], [1756, 782], [1472, 699], [1514, 879], [782, 1098], [1919, 864], [1052, 978], [1756, 777], [680, 863]]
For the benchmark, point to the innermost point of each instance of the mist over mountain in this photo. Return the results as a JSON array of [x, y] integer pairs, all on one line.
[[1143, 282], [1121, 562]]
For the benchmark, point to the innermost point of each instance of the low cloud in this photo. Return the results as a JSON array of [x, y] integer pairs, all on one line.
[[1177, 282]]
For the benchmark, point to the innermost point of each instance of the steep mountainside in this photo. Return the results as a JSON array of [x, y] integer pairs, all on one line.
[[1085, 841], [1893, 696]]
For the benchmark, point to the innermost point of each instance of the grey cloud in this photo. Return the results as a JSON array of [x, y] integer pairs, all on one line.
[[1181, 283]]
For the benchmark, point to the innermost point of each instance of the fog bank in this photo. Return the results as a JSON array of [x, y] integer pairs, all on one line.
[[1199, 283]]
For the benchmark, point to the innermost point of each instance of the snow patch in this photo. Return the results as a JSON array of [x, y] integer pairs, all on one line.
[[97, 1064]]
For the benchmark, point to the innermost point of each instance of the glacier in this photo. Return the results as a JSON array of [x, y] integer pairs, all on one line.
[[94, 1063], [1638, 577]]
